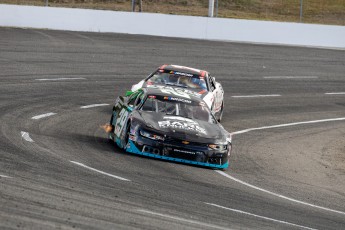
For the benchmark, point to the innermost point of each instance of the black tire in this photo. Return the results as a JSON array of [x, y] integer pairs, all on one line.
[[125, 139], [111, 119], [111, 134], [112, 116]]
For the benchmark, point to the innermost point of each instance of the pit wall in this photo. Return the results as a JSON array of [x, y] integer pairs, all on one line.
[[251, 31]]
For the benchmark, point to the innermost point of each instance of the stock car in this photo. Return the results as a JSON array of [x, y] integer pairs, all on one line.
[[162, 122], [199, 81]]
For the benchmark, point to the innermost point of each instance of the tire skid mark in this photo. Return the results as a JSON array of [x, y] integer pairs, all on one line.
[[261, 217], [180, 219]]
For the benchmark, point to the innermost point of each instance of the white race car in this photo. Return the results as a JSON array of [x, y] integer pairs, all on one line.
[[186, 80]]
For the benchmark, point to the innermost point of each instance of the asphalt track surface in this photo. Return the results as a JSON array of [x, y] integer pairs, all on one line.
[[60, 171]]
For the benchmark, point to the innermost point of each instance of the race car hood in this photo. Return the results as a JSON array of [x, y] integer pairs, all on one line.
[[183, 128]]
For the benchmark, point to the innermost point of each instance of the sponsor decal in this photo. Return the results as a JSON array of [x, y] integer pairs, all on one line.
[[177, 99], [179, 118], [152, 96], [187, 125], [184, 151], [183, 74]]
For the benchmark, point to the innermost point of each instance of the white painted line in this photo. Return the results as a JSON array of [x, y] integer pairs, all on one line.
[[26, 136], [269, 95], [101, 172], [290, 77], [42, 116], [335, 93], [278, 195], [4, 176], [61, 79], [261, 217], [91, 106], [288, 124], [182, 219]]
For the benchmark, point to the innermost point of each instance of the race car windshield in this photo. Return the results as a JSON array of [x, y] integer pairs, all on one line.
[[178, 107], [180, 79]]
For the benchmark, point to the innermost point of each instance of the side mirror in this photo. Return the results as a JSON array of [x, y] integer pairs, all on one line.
[[128, 93]]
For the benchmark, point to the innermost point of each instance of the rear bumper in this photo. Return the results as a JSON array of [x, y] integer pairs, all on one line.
[[146, 151]]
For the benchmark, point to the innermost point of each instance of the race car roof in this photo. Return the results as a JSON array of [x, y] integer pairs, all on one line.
[[184, 69], [162, 90]]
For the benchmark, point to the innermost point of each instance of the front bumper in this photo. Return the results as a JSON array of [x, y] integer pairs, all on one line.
[[166, 151]]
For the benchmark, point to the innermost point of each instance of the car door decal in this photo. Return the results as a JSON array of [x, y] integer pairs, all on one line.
[[120, 122]]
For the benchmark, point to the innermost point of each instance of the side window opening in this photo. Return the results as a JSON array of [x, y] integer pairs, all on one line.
[[149, 105], [132, 101], [212, 84], [139, 99]]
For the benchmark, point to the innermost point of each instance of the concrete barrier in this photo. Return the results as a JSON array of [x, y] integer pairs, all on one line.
[[173, 26]]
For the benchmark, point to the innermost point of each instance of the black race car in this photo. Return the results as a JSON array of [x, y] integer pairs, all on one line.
[[160, 122]]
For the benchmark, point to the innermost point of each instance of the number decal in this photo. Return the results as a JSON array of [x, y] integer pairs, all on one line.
[[121, 121]]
